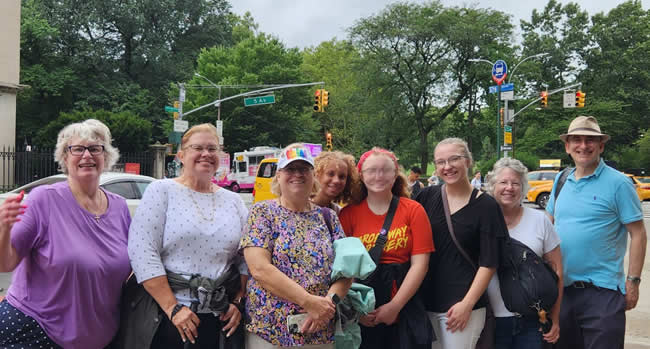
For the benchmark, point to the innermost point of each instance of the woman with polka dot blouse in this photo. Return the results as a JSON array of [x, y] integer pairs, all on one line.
[[189, 226], [66, 246]]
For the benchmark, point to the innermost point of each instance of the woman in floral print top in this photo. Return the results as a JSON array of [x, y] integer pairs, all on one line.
[[288, 248]]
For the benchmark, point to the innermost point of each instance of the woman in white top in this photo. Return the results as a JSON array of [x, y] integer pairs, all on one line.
[[508, 183], [189, 226]]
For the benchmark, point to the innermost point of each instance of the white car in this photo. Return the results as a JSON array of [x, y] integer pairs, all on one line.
[[129, 186]]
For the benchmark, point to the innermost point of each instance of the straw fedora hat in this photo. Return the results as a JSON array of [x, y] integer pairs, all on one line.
[[584, 126]]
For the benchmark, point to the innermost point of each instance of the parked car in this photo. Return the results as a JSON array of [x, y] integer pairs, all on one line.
[[129, 186], [541, 193], [541, 177], [642, 188], [265, 173]]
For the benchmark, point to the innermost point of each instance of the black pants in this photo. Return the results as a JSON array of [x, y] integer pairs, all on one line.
[[592, 318], [167, 336]]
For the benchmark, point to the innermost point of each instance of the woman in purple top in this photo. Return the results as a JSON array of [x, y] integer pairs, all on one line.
[[67, 248]]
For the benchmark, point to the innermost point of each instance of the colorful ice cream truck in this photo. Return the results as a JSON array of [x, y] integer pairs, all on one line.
[[244, 168]]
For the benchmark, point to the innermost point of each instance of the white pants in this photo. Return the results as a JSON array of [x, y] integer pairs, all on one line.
[[465, 339], [254, 341]]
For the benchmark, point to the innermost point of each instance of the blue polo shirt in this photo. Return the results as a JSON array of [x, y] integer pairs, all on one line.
[[590, 217]]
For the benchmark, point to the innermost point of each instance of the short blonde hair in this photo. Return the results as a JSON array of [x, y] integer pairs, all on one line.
[[351, 191], [89, 130], [207, 128], [513, 164], [275, 185]]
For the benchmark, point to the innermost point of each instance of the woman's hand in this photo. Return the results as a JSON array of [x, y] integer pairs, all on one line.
[[233, 316], [554, 334], [11, 209], [458, 316], [186, 323], [367, 320], [386, 314], [310, 325], [320, 309]]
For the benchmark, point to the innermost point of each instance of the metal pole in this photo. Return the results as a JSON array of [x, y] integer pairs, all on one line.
[[219, 108], [505, 122], [498, 119]]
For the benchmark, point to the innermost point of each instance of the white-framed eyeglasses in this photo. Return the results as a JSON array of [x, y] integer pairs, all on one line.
[[200, 148]]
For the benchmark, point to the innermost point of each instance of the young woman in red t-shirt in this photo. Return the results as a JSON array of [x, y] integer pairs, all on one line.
[[405, 256]]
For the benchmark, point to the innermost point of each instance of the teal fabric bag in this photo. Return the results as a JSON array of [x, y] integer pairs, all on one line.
[[360, 300], [351, 260]]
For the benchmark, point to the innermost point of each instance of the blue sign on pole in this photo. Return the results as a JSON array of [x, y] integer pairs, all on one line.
[[504, 88], [499, 71]]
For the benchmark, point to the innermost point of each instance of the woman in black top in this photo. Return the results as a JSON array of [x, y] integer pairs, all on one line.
[[454, 290]]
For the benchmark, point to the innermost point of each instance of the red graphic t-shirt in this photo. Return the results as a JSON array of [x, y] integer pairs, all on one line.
[[409, 234]]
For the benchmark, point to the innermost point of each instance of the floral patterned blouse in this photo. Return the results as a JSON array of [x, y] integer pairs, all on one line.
[[301, 247]]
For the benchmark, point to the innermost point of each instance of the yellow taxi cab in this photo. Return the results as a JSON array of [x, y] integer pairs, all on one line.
[[265, 173], [541, 193], [540, 177], [642, 187]]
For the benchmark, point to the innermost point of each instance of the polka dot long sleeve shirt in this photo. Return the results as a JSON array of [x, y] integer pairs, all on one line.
[[187, 232]]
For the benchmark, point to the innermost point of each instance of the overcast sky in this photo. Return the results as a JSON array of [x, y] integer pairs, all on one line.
[[305, 23]]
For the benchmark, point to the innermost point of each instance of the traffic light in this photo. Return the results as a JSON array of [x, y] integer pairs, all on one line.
[[175, 115], [544, 95], [318, 101], [329, 140], [177, 104], [325, 98], [580, 99]]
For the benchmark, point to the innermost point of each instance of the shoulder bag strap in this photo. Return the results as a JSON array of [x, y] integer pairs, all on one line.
[[560, 183], [450, 226], [328, 220], [375, 251]]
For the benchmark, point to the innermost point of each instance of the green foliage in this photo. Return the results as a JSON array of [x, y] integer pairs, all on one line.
[[130, 133], [530, 160], [256, 60]]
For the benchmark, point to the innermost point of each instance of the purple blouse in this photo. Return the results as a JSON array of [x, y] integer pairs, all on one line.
[[73, 266]]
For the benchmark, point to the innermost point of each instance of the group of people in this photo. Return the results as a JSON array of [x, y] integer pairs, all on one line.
[[214, 271]]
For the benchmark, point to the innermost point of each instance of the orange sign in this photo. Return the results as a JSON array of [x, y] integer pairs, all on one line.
[[132, 167]]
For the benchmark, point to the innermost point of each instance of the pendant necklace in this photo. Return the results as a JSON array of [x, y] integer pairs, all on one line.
[[198, 207]]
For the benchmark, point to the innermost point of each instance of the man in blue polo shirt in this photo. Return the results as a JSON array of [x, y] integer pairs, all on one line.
[[595, 210]]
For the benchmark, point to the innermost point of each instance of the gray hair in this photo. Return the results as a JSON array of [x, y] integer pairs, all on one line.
[[513, 164], [88, 130]]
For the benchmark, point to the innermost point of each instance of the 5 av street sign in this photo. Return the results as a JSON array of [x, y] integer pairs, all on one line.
[[249, 102]]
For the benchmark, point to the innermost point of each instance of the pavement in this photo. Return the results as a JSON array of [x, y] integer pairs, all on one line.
[[637, 335]]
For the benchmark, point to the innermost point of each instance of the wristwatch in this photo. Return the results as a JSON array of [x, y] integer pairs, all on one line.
[[335, 298], [634, 279]]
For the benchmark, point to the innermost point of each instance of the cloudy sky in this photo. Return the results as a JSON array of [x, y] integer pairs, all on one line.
[[305, 23]]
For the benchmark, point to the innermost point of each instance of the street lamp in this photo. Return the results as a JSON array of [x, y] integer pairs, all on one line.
[[523, 60], [218, 87]]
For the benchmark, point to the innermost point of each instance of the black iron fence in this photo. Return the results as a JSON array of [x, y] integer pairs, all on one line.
[[18, 168]]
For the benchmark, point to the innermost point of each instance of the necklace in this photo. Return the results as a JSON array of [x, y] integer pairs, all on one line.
[[198, 207]]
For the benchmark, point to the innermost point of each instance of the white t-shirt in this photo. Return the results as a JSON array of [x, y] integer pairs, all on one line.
[[187, 232], [534, 230]]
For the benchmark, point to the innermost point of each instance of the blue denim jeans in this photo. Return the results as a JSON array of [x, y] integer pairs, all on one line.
[[518, 333]]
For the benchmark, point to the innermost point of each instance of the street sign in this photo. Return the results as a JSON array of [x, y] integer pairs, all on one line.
[[181, 95], [504, 88], [181, 125], [507, 137], [507, 128], [494, 89], [507, 95], [248, 102], [506, 147], [169, 109], [569, 100], [219, 124], [499, 71]]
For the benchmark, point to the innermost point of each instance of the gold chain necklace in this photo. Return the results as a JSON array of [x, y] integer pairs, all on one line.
[[198, 207]]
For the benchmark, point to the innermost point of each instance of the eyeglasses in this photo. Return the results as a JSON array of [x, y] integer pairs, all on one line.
[[78, 150], [453, 160], [378, 171], [295, 170], [200, 148], [586, 139], [515, 185]]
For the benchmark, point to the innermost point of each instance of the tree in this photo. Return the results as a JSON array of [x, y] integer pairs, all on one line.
[[130, 132], [418, 56], [257, 60]]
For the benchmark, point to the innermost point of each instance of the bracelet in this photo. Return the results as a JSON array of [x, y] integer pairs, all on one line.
[[634, 279], [176, 309]]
